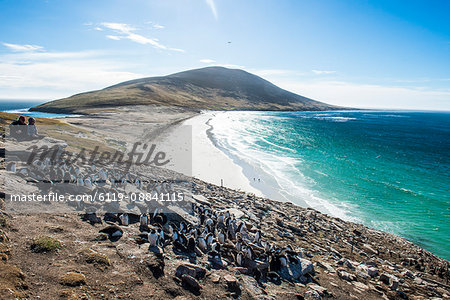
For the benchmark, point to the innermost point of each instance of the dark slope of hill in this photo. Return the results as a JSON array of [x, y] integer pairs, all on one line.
[[215, 88]]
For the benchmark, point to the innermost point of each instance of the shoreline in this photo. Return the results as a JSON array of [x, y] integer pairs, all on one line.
[[338, 259], [209, 163]]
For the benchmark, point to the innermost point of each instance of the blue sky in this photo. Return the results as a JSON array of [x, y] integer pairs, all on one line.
[[375, 54]]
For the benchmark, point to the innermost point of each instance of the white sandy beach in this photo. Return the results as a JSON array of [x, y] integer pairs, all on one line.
[[209, 163]]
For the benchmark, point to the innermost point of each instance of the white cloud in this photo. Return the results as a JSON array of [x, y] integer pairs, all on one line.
[[98, 28], [113, 37], [229, 66], [22, 48], [207, 61], [369, 95], [126, 31], [120, 27], [213, 8], [53, 75], [322, 72], [276, 72], [158, 26]]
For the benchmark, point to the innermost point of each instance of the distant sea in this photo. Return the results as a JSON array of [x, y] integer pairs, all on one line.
[[388, 170], [21, 107]]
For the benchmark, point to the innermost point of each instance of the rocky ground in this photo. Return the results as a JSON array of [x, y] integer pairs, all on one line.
[[64, 256], [348, 260]]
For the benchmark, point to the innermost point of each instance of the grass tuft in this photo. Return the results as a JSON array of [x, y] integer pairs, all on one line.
[[45, 244]]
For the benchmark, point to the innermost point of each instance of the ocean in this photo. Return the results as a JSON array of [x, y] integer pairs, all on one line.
[[21, 107], [389, 170]]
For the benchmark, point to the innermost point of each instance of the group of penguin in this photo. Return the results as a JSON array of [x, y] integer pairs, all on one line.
[[52, 174], [217, 234]]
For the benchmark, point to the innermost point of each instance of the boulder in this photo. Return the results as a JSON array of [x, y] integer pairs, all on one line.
[[232, 283], [73, 279], [372, 271], [326, 266], [191, 270], [215, 278], [320, 289], [346, 276], [155, 265], [295, 271], [389, 280], [190, 283]]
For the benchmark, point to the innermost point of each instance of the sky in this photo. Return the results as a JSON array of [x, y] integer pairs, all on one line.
[[366, 54]]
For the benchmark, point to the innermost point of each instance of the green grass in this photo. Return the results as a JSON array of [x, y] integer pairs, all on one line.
[[45, 244]]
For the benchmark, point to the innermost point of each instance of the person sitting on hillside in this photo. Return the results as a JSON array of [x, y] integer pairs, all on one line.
[[32, 129], [17, 129]]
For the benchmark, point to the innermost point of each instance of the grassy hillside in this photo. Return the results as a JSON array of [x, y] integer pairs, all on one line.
[[213, 88]]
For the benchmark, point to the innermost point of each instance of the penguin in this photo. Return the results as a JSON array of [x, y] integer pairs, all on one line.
[[202, 244], [283, 261], [257, 237], [191, 245], [221, 237], [221, 218], [153, 238], [88, 183], [250, 254], [183, 227], [143, 220], [161, 236], [124, 219], [80, 181], [209, 239], [209, 222], [239, 258]]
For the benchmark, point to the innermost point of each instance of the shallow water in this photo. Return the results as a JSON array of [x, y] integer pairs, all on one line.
[[387, 170]]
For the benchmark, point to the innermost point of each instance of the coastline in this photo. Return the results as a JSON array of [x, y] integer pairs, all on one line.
[[377, 265], [209, 163]]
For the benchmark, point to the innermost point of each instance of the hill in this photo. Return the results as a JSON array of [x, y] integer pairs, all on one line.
[[215, 88]]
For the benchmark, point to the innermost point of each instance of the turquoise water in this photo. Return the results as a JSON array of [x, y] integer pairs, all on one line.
[[21, 107], [387, 170]]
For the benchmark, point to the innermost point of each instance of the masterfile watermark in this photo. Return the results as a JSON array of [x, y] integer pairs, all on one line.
[[135, 156]]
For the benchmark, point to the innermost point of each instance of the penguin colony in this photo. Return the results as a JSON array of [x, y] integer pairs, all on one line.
[[218, 235], [89, 180]]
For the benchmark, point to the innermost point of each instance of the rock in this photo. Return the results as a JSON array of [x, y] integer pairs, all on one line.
[[384, 278], [372, 271], [215, 278], [320, 289], [312, 294], [346, 276], [73, 279], [191, 270], [251, 286], [349, 264], [156, 250], [242, 270], [389, 280], [408, 273], [155, 265], [295, 271], [3, 237], [360, 286], [101, 237], [190, 283], [93, 257], [369, 249], [232, 283], [326, 266], [362, 275]]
